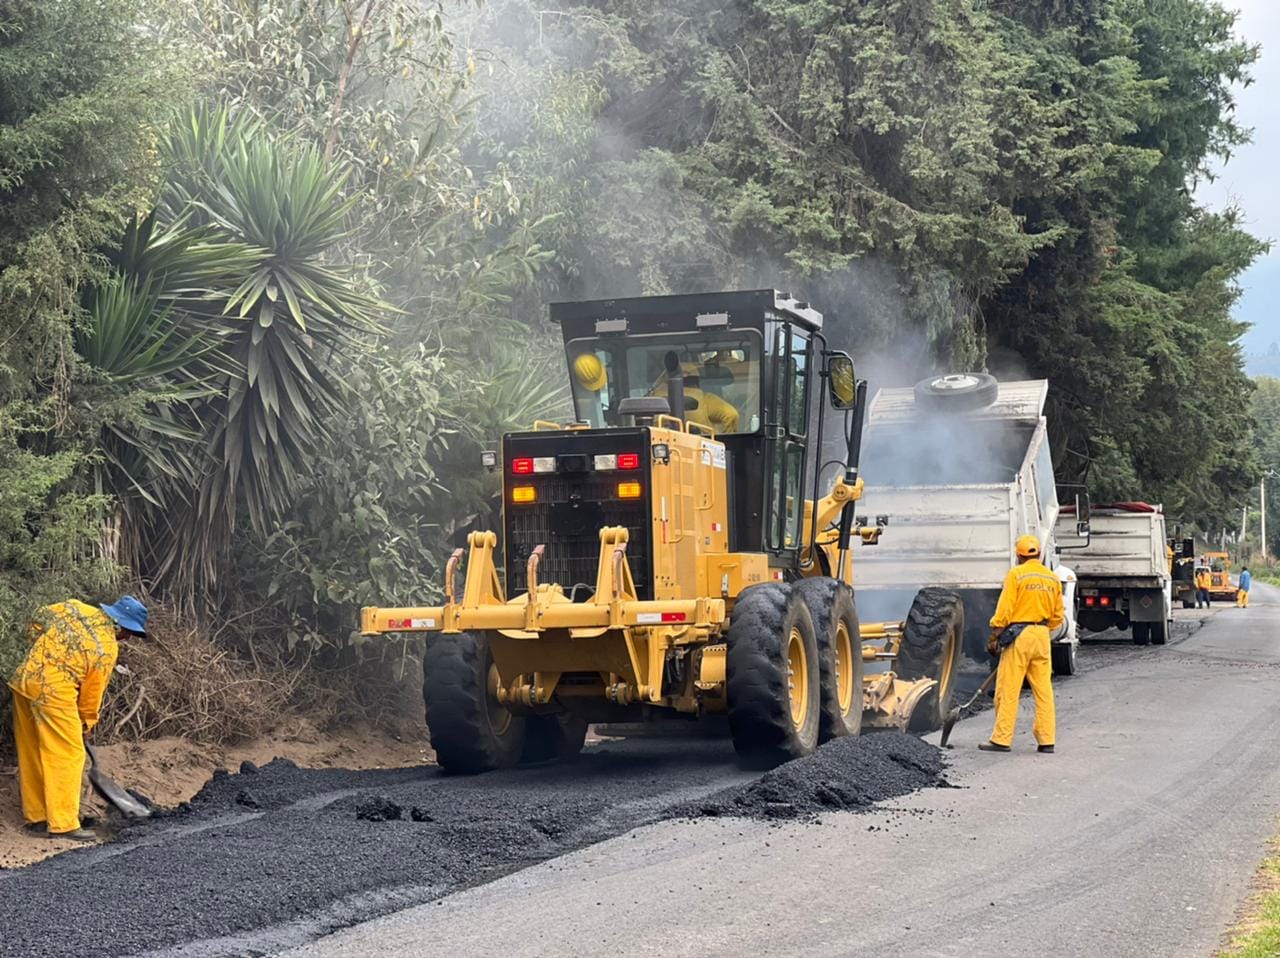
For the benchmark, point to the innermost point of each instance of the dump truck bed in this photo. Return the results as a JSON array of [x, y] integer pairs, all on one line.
[[1127, 546], [958, 488]]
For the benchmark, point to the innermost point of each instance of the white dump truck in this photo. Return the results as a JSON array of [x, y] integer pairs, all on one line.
[[1122, 569], [959, 467]]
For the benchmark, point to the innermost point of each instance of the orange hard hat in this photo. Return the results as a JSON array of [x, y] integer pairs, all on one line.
[[1027, 546]]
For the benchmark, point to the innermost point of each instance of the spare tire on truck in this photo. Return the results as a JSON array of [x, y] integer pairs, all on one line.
[[930, 649], [957, 392], [772, 676]]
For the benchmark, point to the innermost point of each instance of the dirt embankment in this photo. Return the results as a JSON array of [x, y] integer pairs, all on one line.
[[170, 771]]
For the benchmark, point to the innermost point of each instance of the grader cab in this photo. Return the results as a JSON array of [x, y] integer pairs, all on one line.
[[672, 549]]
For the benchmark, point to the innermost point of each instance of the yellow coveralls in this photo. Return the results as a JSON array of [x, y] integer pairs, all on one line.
[[58, 692], [1031, 593]]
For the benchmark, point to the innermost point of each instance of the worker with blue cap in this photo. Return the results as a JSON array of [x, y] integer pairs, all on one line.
[[57, 698]]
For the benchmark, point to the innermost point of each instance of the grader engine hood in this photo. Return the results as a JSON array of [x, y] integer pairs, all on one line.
[[560, 489]]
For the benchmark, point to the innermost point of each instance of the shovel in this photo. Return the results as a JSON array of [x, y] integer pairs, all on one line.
[[954, 715], [129, 806]]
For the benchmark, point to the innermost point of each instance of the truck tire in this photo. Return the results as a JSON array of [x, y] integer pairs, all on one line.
[[1141, 633], [960, 392], [1159, 632], [1188, 604], [772, 676], [835, 622], [470, 731], [1063, 657], [930, 649], [553, 738]]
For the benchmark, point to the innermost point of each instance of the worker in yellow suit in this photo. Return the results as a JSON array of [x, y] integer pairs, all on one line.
[[1029, 610], [57, 697]]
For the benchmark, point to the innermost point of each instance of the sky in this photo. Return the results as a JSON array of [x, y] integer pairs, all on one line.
[[1249, 178]]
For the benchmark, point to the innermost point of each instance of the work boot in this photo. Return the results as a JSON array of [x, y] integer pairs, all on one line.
[[994, 747], [36, 828], [78, 835], [1047, 749]]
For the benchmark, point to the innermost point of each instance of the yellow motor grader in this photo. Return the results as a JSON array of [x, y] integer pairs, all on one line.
[[660, 552]]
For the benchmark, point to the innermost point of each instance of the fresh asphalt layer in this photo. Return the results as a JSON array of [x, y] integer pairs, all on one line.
[[1138, 837]]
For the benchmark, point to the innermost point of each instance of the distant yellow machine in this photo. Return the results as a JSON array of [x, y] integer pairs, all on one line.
[[1220, 587], [655, 565]]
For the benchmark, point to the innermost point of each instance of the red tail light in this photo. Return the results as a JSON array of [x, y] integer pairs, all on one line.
[[522, 467], [628, 460], [1088, 600], [1106, 600]]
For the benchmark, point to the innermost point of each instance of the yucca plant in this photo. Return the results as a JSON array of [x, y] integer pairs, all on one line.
[[288, 317], [220, 341]]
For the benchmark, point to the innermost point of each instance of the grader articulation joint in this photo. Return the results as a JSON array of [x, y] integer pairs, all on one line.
[[661, 552]]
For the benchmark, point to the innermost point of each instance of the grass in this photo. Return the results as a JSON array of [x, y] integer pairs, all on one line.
[[1257, 932]]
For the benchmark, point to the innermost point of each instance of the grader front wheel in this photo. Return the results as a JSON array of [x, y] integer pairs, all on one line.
[[930, 649], [470, 730], [772, 676]]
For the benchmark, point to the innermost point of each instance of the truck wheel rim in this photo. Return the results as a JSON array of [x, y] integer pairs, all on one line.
[[499, 715], [844, 668], [954, 381], [797, 678]]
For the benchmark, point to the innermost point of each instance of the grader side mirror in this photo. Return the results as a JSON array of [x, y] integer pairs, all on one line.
[[841, 383]]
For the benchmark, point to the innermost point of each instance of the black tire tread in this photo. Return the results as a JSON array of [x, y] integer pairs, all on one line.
[[454, 689], [759, 719], [936, 617], [822, 594]]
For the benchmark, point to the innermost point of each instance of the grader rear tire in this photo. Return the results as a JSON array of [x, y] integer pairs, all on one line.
[[772, 676], [931, 650], [835, 621], [470, 731]]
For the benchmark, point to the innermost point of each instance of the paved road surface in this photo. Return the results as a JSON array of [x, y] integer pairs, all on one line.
[[1139, 837]]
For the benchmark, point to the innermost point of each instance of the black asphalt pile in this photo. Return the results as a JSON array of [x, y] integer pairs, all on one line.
[[271, 858], [268, 859], [846, 774]]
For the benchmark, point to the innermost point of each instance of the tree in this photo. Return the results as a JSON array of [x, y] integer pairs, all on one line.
[[82, 84]]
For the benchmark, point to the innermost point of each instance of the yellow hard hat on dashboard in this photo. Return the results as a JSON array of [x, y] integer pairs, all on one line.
[[590, 372], [1027, 546]]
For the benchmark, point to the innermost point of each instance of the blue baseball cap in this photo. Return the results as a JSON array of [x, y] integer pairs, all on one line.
[[128, 613]]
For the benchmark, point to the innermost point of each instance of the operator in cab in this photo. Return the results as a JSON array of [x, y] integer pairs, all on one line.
[[1029, 610], [701, 405]]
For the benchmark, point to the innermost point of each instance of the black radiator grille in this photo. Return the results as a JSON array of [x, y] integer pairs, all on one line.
[[567, 519]]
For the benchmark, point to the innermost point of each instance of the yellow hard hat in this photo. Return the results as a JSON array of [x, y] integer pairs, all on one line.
[[590, 372], [1027, 546]]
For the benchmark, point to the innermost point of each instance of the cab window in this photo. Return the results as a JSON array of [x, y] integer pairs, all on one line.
[[721, 374]]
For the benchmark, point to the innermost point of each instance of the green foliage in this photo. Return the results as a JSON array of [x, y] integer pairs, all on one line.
[[49, 530], [392, 492], [80, 87], [957, 183]]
